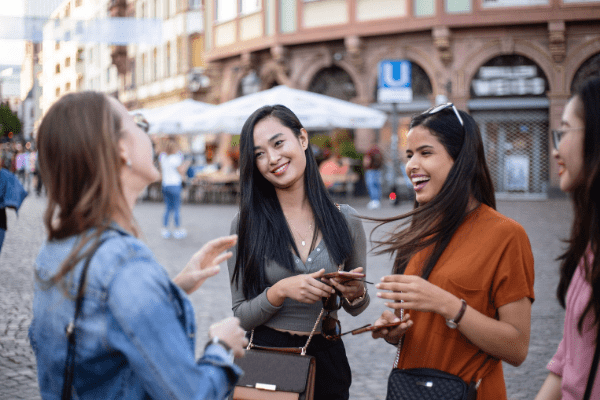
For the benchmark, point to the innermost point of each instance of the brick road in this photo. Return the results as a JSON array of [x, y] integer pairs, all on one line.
[[545, 222]]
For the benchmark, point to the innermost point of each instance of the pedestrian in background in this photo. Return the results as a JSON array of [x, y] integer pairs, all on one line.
[[372, 162], [12, 195], [462, 270], [577, 151], [173, 168], [290, 234], [135, 337]]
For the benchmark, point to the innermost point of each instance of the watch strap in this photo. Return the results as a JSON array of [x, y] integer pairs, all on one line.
[[217, 341], [461, 312]]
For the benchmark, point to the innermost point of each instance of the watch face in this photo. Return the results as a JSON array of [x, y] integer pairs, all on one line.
[[451, 324]]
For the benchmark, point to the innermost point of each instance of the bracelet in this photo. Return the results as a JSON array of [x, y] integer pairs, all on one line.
[[358, 299], [219, 342]]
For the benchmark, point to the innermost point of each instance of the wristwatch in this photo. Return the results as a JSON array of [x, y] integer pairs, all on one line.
[[357, 300], [453, 323], [219, 342]]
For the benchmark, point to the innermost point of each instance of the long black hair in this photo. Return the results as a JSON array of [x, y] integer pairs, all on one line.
[[586, 203], [435, 222], [263, 232]]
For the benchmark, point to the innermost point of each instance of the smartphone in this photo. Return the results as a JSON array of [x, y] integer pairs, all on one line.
[[344, 276], [376, 328]]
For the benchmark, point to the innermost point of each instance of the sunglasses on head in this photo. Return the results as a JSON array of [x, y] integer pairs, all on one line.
[[442, 107], [141, 121]]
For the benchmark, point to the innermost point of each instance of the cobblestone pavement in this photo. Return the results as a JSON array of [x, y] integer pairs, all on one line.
[[545, 222]]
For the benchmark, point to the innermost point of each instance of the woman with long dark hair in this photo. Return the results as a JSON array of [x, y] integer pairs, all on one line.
[[462, 270], [577, 151], [135, 335], [290, 234]]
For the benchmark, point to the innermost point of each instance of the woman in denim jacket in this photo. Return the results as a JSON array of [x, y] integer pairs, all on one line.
[[135, 334]]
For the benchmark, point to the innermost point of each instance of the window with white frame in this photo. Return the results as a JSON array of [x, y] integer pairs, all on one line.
[[195, 4], [249, 6], [226, 10], [512, 3]]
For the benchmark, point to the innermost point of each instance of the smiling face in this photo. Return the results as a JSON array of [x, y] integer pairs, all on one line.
[[279, 154], [428, 163], [570, 149]]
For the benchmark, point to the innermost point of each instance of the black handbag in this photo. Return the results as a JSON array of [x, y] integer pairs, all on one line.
[[275, 373], [429, 383]]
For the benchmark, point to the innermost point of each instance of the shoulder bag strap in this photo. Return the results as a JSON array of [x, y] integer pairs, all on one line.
[[70, 360], [297, 350], [594, 369]]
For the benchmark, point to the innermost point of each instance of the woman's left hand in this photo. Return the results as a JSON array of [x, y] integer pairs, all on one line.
[[205, 263], [416, 293], [350, 290]]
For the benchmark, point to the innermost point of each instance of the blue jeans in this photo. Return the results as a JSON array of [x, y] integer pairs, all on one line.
[[2, 233], [172, 197], [373, 182]]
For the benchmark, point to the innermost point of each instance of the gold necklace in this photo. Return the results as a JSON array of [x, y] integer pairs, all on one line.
[[298, 233]]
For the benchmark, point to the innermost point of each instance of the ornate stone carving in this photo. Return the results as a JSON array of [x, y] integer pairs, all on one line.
[[354, 51], [558, 47], [441, 40], [215, 75]]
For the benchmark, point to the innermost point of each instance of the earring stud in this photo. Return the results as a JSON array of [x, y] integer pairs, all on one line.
[[128, 163]]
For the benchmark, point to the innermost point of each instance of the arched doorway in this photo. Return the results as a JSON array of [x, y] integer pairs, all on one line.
[[590, 68], [334, 82], [509, 104], [249, 84]]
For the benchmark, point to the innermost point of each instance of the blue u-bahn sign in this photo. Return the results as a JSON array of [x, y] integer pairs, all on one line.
[[394, 84]]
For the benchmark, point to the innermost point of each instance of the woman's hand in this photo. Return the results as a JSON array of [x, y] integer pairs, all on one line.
[[305, 288], [418, 294], [205, 263], [350, 290], [229, 331], [391, 335]]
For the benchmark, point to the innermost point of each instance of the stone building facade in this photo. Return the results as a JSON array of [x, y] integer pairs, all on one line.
[[511, 63]]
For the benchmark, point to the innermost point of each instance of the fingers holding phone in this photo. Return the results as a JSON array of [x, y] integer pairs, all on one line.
[[349, 284], [391, 327]]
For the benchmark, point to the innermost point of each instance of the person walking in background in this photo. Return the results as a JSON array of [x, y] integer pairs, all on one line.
[[463, 272], [135, 336], [372, 162], [12, 195], [173, 168], [577, 151], [290, 234]]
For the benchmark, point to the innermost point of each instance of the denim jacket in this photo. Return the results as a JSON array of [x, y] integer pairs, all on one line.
[[135, 335]]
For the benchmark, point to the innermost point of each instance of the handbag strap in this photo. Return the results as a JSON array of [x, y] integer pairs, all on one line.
[[70, 330], [593, 370], [487, 358], [296, 350]]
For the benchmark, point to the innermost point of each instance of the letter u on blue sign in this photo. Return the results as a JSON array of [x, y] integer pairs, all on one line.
[[394, 74]]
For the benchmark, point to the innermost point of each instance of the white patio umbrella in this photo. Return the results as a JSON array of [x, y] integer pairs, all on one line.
[[167, 119], [315, 111]]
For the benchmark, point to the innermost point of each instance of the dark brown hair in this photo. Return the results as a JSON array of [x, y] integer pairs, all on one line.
[[586, 203], [80, 166], [435, 222]]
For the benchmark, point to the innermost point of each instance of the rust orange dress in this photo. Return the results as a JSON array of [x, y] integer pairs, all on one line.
[[489, 263]]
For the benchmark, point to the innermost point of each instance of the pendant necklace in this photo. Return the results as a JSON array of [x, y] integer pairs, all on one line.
[[298, 233]]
